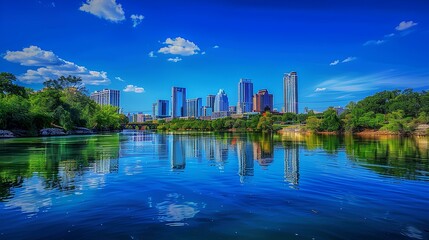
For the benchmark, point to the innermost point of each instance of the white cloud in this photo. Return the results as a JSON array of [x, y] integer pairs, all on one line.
[[51, 67], [33, 56], [215, 46], [389, 35], [179, 46], [334, 63], [132, 88], [203, 53], [382, 80], [107, 9], [405, 25], [349, 59], [320, 89], [374, 42], [137, 19], [119, 79], [176, 59], [151, 54]]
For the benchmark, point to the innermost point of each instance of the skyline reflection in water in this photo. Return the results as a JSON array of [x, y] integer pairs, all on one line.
[[141, 184]]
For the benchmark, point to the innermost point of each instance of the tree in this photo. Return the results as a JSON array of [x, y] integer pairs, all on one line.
[[313, 123], [7, 85], [330, 121]]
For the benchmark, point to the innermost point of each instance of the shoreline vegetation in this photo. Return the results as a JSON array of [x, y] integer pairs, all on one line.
[[63, 107]]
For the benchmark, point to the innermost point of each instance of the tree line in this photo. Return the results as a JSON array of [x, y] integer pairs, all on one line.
[[62, 103]]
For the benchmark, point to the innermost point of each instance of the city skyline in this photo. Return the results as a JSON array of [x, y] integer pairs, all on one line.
[[343, 51]]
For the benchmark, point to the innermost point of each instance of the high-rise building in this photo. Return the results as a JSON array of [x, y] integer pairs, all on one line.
[[232, 109], [194, 107], [178, 102], [290, 92], [160, 109], [263, 101], [106, 97], [245, 96], [221, 102], [210, 101], [207, 111]]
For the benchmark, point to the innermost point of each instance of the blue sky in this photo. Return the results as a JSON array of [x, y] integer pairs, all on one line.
[[342, 50]]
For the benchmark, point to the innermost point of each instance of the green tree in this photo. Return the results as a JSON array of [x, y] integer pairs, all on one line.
[[330, 121]]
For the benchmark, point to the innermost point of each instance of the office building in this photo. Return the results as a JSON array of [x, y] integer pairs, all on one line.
[[290, 92], [106, 97], [160, 109], [178, 102], [263, 101], [207, 111], [245, 96], [210, 101], [233, 109], [221, 102], [194, 107]]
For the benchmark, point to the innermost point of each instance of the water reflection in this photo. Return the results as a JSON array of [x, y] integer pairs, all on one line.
[[178, 152], [56, 163], [245, 160], [291, 164]]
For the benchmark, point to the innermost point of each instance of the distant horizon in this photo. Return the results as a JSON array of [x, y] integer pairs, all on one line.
[[342, 51]]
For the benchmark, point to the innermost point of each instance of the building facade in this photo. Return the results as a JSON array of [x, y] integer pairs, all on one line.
[[263, 101], [221, 102], [210, 101], [106, 97], [245, 96], [232, 109], [207, 111], [160, 109], [290, 92], [178, 102], [194, 107]]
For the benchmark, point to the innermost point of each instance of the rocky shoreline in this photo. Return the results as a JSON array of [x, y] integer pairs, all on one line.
[[45, 132]]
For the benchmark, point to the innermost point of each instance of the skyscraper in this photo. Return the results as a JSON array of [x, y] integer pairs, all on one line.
[[245, 96], [221, 102], [262, 101], [178, 102], [210, 101], [194, 107], [160, 109], [106, 97], [290, 91]]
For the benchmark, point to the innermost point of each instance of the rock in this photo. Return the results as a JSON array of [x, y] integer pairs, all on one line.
[[6, 134], [80, 131], [52, 132]]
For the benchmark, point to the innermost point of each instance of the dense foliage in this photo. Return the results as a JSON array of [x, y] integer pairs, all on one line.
[[392, 111], [256, 123], [61, 103]]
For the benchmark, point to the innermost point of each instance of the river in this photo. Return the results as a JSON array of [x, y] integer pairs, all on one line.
[[143, 185]]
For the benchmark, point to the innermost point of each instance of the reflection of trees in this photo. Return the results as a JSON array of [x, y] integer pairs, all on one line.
[[56, 160], [394, 156]]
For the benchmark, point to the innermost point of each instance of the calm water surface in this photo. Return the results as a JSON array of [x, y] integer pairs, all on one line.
[[139, 185]]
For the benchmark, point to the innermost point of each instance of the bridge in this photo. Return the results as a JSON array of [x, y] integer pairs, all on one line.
[[141, 125]]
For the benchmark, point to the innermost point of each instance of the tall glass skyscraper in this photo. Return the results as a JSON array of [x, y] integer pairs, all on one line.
[[245, 96], [194, 107], [160, 109], [106, 97], [221, 102], [210, 101], [290, 91], [178, 102]]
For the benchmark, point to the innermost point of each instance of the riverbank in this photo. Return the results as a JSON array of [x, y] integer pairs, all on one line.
[[421, 130], [45, 132]]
